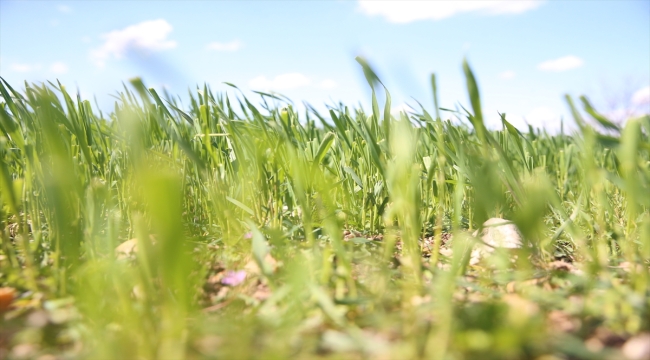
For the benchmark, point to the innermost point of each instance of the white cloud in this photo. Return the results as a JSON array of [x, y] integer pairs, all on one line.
[[541, 117], [409, 11], [280, 82], [641, 96], [561, 64], [59, 68], [22, 67], [546, 118], [328, 84], [146, 36], [64, 9], [403, 107], [227, 46], [508, 74]]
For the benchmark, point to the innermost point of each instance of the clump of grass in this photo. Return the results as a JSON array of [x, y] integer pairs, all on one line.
[[263, 233]]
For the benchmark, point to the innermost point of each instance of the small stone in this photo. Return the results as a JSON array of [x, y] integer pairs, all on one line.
[[38, 319], [23, 351], [520, 305], [638, 347], [47, 357], [560, 321], [129, 248], [499, 232], [496, 233], [208, 344], [629, 267]]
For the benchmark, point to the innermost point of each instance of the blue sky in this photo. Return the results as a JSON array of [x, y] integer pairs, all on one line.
[[525, 54]]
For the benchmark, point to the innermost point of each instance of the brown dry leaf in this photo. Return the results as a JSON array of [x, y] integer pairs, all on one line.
[[349, 234], [515, 286], [7, 296], [446, 252], [47, 357], [420, 300], [560, 321], [521, 305], [139, 293], [594, 345], [607, 337], [215, 279], [560, 265], [208, 344], [24, 351], [262, 292], [549, 357], [271, 261], [628, 267], [129, 248], [251, 267]]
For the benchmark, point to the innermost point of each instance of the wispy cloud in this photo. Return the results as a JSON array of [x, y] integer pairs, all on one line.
[[147, 36], [641, 97], [23, 68], [547, 118], [409, 11], [64, 9], [508, 74], [328, 84], [225, 46], [561, 64], [59, 68], [403, 107], [539, 117], [280, 82]]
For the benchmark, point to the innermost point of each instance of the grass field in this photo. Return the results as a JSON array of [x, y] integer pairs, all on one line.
[[262, 233]]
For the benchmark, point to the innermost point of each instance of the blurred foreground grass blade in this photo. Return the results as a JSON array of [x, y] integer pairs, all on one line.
[[5, 88], [576, 114], [434, 88], [342, 130], [475, 100], [629, 157], [6, 181], [516, 135], [10, 128], [61, 185], [602, 120], [324, 146]]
